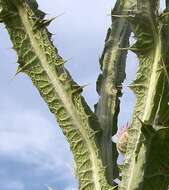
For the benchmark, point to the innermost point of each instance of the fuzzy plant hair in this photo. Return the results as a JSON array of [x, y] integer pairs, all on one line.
[[146, 165]]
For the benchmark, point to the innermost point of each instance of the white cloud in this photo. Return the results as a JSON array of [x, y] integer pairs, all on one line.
[[28, 137]]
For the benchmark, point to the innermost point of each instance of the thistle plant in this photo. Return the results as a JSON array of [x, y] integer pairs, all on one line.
[[146, 165]]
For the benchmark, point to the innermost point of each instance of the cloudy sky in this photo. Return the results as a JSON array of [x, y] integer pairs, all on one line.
[[33, 151]]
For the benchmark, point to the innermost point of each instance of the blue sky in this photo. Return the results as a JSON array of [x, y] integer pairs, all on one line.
[[33, 151]]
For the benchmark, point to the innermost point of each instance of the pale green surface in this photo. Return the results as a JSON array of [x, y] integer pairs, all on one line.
[[109, 85], [148, 85], [38, 58]]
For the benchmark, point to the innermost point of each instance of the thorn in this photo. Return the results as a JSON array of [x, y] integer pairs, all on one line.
[[119, 86], [131, 86], [53, 34], [115, 186], [15, 75], [130, 48], [46, 22], [42, 23], [13, 48], [101, 61], [85, 85], [122, 16], [49, 35], [146, 129], [10, 48], [122, 86], [136, 85], [19, 70], [164, 14], [140, 120], [79, 89], [68, 60], [60, 15], [60, 61], [124, 49]]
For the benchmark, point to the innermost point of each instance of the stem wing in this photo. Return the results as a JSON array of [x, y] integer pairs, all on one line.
[[39, 59], [109, 85]]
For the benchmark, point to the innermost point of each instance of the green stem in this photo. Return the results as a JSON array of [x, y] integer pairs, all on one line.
[[39, 59]]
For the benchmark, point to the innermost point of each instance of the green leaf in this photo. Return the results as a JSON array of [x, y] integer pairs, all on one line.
[[39, 59], [109, 85], [163, 109], [150, 90], [154, 149]]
